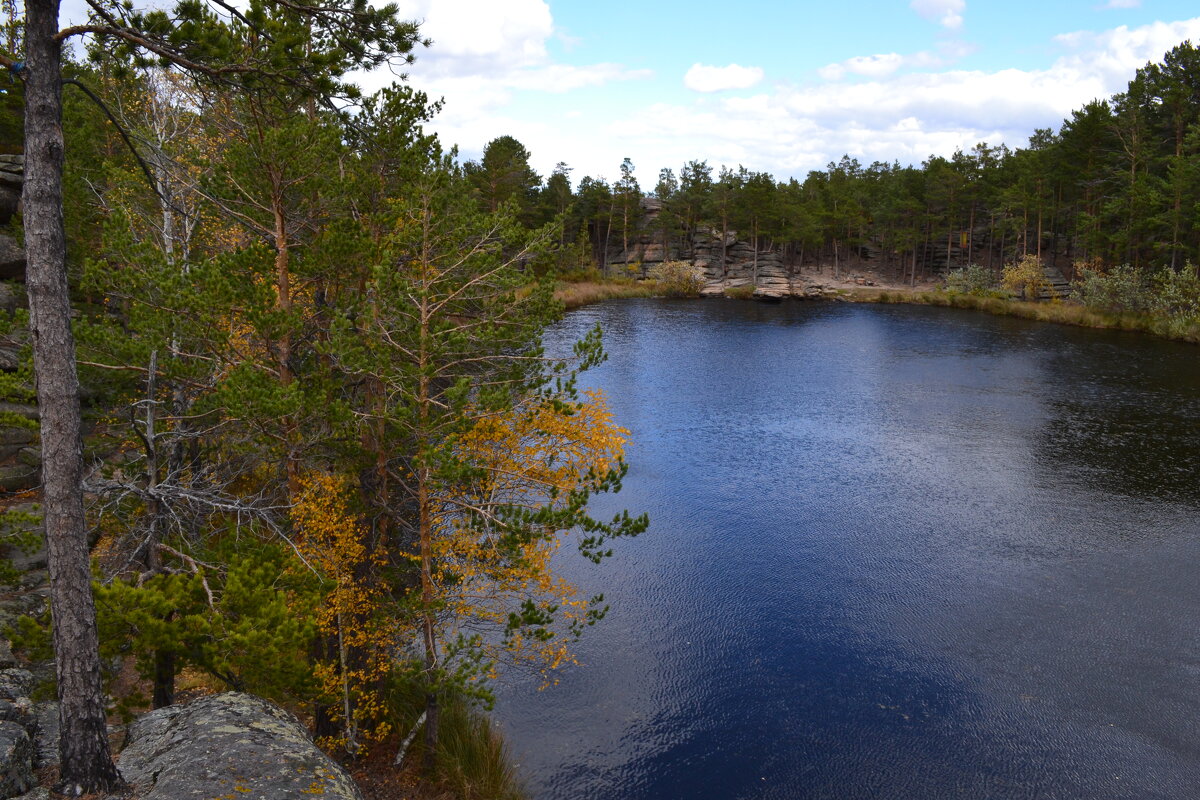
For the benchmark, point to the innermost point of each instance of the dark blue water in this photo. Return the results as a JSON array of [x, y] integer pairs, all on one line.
[[895, 552]]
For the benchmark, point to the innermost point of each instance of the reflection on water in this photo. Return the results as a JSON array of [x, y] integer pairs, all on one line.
[[894, 553]]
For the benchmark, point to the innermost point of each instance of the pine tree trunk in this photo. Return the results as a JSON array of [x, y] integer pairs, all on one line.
[[164, 678], [87, 765]]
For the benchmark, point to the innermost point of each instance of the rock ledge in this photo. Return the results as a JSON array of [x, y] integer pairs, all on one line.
[[229, 745]]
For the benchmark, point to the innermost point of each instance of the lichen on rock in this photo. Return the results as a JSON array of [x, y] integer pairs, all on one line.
[[229, 745]]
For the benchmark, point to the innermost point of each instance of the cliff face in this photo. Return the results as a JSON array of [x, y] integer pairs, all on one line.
[[726, 263], [12, 256]]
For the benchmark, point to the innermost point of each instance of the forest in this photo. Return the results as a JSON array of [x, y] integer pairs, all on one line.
[[1117, 184], [326, 459]]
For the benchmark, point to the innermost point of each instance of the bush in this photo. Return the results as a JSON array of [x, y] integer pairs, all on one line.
[[678, 279], [1117, 290], [1176, 297], [1026, 278], [971, 279], [743, 292]]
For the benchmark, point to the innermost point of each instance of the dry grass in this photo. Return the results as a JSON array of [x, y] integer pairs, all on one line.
[[1063, 313], [574, 295]]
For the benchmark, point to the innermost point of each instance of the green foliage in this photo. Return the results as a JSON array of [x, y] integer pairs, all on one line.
[[1176, 295], [1170, 298], [743, 292], [19, 530], [971, 279], [247, 623], [30, 636], [1119, 289], [504, 175], [473, 760]]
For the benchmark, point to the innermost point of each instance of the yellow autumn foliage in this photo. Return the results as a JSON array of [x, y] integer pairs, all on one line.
[[331, 539], [531, 457]]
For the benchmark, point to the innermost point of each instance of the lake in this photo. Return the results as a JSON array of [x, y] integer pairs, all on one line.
[[895, 552]]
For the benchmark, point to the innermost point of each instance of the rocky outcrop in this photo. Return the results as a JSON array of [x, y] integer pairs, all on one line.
[[228, 745], [28, 733], [20, 457], [725, 261], [12, 255]]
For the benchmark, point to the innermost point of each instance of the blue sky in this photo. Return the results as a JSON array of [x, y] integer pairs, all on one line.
[[778, 86]]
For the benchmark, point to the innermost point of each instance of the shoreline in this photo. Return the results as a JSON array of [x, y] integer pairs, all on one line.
[[575, 294]]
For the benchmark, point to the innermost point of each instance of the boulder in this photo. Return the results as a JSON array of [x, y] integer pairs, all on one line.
[[15, 683], [228, 745], [16, 760], [19, 478]]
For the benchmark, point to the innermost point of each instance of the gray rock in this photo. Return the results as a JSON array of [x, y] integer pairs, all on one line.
[[12, 296], [20, 713], [7, 661], [19, 478], [10, 202], [10, 355], [228, 745], [30, 457], [15, 683], [12, 258], [16, 760], [16, 436], [37, 794], [46, 715]]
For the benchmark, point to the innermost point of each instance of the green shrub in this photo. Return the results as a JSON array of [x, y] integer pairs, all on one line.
[[472, 761], [1117, 290], [971, 279], [1176, 298]]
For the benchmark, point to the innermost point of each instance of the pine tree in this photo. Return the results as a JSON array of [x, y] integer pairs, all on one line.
[[245, 49], [449, 332]]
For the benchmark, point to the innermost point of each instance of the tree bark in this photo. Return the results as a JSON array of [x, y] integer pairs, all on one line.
[[87, 764]]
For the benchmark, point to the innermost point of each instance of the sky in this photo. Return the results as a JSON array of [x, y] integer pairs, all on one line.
[[783, 86]]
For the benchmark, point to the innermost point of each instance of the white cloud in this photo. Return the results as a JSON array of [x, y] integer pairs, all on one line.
[[702, 78], [947, 13], [832, 72], [907, 116], [882, 65], [898, 108], [1123, 4], [876, 66], [467, 32]]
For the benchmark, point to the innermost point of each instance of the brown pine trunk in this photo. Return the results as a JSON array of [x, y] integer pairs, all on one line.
[[87, 765]]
